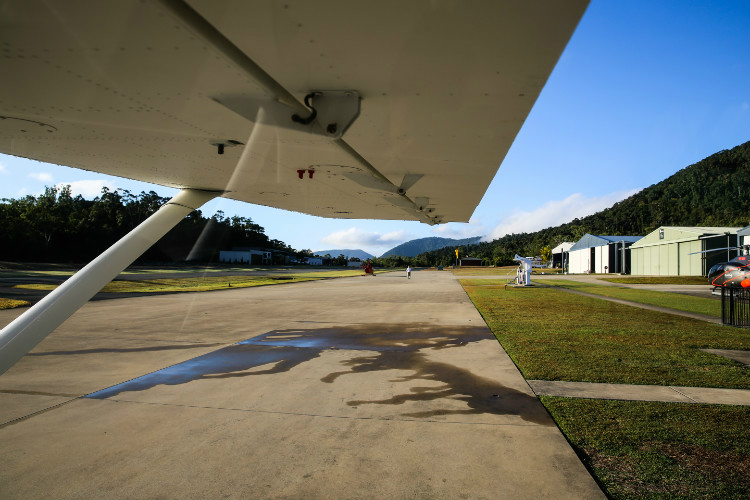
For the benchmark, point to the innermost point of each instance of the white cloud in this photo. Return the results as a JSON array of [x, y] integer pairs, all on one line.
[[460, 230], [394, 237], [3, 169], [556, 212], [358, 238], [41, 176], [88, 188]]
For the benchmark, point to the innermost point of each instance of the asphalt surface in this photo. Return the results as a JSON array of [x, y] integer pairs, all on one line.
[[366, 387]]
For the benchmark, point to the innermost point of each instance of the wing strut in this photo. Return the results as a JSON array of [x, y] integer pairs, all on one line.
[[26, 331]]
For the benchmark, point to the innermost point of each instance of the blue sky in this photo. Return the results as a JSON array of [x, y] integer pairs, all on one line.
[[643, 89]]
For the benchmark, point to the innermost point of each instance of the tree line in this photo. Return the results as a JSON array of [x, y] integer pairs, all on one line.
[[59, 227]]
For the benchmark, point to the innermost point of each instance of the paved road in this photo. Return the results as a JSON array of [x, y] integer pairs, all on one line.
[[367, 387]]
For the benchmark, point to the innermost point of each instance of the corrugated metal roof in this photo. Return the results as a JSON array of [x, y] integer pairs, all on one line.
[[593, 240], [676, 234], [703, 230], [563, 247]]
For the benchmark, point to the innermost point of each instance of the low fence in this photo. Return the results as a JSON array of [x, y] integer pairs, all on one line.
[[735, 306]]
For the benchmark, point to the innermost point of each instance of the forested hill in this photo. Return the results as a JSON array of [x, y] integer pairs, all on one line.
[[713, 192], [348, 253], [58, 227], [415, 247]]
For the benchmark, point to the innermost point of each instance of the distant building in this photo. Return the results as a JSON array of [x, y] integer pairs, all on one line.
[[314, 261], [255, 256], [672, 251], [470, 261], [601, 254], [744, 236], [560, 255], [245, 256]]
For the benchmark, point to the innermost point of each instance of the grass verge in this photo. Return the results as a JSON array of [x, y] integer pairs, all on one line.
[[678, 301], [646, 450], [30, 270], [554, 335], [659, 280], [13, 303], [204, 283], [483, 271]]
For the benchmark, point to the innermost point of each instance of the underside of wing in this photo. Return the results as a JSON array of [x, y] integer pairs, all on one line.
[[411, 106]]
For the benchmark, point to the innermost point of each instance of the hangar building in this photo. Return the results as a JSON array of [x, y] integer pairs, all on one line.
[[245, 256], [744, 235], [670, 251], [560, 255], [601, 254]]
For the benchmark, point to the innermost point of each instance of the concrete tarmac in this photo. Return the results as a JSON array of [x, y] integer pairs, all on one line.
[[366, 387]]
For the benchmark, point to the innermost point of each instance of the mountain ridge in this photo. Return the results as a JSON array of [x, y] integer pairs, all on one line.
[[412, 248], [348, 253]]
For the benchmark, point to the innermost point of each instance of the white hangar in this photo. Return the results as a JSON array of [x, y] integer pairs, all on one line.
[[601, 254]]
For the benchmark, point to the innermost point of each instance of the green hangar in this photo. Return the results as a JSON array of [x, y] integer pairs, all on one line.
[[683, 251]]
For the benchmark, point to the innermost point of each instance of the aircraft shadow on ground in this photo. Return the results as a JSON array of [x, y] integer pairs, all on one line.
[[402, 347]]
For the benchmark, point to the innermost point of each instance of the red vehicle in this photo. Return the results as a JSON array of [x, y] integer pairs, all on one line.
[[368, 268]]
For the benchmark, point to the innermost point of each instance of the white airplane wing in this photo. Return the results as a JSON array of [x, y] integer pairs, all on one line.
[[337, 108], [416, 102]]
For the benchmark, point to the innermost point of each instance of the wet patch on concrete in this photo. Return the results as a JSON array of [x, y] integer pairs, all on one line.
[[232, 361], [393, 347]]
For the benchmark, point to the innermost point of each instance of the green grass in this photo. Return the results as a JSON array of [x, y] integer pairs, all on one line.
[[660, 280], [646, 450], [26, 270], [483, 271], [554, 335], [678, 301], [499, 271], [13, 303], [636, 450], [205, 283], [36, 272]]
